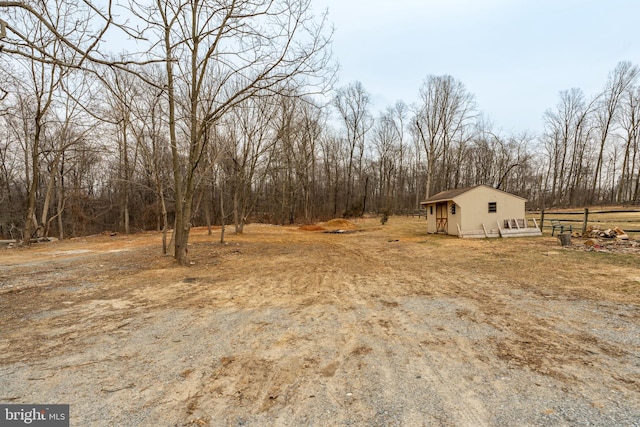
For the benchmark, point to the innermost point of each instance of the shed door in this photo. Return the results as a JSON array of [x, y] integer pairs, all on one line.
[[441, 218]]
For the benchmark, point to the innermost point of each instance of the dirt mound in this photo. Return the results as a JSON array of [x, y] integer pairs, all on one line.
[[312, 227], [341, 224]]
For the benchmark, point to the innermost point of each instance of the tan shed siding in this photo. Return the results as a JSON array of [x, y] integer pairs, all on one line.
[[455, 219], [476, 204], [472, 209], [431, 217]]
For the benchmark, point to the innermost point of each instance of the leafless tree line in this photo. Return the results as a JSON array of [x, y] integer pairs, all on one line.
[[591, 147], [220, 117], [197, 61]]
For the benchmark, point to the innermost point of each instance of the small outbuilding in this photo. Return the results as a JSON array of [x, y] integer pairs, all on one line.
[[480, 211]]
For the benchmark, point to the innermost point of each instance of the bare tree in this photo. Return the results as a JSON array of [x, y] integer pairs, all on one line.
[[620, 80], [332, 148], [563, 127], [217, 56], [352, 103], [9, 179], [630, 123], [39, 87], [149, 128], [387, 144], [310, 125], [79, 29], [70, 128], [297, 130], [123, 93], [398, 117], [247, 151], [442, 118]]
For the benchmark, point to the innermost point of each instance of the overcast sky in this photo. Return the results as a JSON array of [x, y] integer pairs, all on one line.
[[513, 55]]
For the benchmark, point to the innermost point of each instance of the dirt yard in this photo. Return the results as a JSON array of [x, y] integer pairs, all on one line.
[[380, 326]]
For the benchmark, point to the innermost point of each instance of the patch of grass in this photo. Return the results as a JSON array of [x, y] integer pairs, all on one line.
[[601, 259]]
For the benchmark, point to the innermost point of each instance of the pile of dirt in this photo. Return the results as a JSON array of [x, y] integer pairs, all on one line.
[[312, 227], [340, 224]]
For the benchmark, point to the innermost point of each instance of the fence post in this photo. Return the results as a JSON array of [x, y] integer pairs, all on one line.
[[584, 222], [541, 219]]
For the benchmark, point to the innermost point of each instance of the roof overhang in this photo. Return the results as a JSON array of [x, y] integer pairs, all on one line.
[[451, 195]]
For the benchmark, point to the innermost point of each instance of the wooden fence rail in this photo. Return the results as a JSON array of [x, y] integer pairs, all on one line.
[[585, 218]]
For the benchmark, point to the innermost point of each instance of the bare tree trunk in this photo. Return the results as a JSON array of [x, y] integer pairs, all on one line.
[[636, 193], [236, 208], [222, 213], [207, 214], [165, 222], [60, 207], [178, 236], [30, 219]]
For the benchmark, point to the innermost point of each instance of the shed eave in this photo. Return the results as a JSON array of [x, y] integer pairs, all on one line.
[[430, 202], [453, 194]]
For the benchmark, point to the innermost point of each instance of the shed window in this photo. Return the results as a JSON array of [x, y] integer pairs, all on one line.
[[453, 209], [493, 207], [431, 210]]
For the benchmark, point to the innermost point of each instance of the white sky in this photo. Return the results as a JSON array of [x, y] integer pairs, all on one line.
[[513, 55]]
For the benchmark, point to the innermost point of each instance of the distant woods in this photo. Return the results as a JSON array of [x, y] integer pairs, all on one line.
[[237, 118]]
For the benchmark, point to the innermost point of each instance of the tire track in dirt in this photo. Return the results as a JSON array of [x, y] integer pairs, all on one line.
[[525, 338], [366, 341], [386, 327], [531, 338]]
